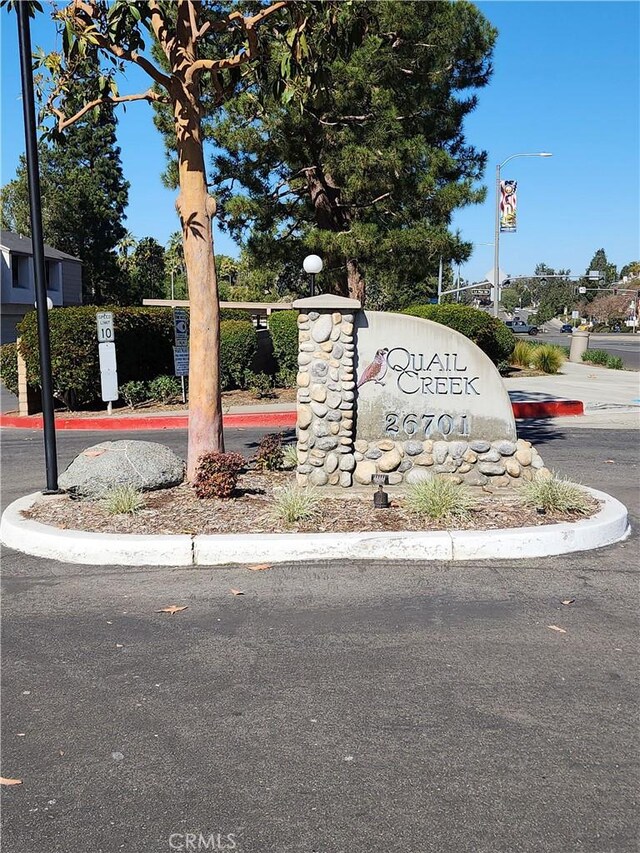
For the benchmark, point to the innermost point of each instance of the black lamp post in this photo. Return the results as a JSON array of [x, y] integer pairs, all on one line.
[[312, 265], [28, 104]]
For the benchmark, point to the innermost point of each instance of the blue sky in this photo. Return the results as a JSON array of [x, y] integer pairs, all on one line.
[[565, 81]]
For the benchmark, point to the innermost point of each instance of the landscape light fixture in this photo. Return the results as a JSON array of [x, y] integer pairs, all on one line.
[[312, 265], [496, 260], [380, 498]]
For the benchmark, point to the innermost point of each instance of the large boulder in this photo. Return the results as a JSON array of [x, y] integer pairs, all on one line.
[[143, 464]]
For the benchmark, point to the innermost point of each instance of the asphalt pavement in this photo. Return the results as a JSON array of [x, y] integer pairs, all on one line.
[[333, 707]]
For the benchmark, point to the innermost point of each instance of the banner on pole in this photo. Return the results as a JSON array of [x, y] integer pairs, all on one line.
[[508, 205]]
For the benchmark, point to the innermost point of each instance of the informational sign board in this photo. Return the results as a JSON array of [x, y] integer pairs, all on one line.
[[181, 327], [108, 371], [181, 361], [104, 320], [575, 315]]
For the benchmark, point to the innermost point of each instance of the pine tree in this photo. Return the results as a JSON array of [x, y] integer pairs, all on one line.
[[84, 193], [367, 160]]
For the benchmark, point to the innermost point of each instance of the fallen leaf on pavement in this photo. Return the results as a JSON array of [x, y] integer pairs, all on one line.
[[259, 567], [557, 628], [4, 781], [171, 609], [237, 592], [568, 600], [610, 461]]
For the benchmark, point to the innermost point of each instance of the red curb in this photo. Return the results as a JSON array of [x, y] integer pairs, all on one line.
[[522, 409], [234, 421], [547, 408]]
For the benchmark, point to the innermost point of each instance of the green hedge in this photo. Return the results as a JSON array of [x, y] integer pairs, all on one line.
[[283, 327], [9, 367], [487, 332], [144, 346], [238, 345]]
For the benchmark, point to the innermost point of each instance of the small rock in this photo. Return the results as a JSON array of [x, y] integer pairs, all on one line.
[[318, 393], [332, 415], [361, 446], [524, 456], [319, 409], [480, 446], [303, 380], [417, 475], [470, 456], [389, 461], [373, 453], [491, 455], [457, 449], [345, 479], [313, 315], [440, 451], [425, 459], [395, 478], [405, 465], [505, 448], [318, 477], [543, 474], [475, 478], [318, 368], [491, 468], [364, 472], [334, 478], [328, 442], [413, 448], [386, 444], [347, 462], [513, 467]]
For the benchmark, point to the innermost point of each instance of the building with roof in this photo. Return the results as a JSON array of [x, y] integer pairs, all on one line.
[[18, 293]]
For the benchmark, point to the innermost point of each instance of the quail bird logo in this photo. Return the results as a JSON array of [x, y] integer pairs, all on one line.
[[377, 369]]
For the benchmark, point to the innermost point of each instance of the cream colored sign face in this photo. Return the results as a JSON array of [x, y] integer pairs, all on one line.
[[417, 379]]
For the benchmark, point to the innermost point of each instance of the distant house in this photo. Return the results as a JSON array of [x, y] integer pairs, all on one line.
[[18, 294]]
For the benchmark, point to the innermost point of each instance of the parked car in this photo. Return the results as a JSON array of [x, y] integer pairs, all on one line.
[[566, 327], [519, 327]]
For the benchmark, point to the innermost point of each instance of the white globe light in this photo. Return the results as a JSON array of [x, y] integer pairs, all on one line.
[[312, 264], [49, 303]]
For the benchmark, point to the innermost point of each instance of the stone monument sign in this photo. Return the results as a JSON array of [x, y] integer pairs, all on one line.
[[400, 395]]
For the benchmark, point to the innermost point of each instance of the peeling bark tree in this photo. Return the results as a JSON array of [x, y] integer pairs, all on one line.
[[179, 28]]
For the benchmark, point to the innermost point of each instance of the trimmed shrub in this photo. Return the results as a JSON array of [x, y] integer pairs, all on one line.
[[238, 345], [522, 354], [9, 367], [596, 356], [555, 494], [492, 336], [269, 456], [283, 326], [235, 314], [134, 393], [259, 384], [440, 499], [143, 336], [615, 363], [217, 474], [548, 358], [123, 500], [294, 503], [286, 378], [289, 457], [165, 389], [144, 346]]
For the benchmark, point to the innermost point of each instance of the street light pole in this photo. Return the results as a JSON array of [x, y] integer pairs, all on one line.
[[37, 243], [496, 252]]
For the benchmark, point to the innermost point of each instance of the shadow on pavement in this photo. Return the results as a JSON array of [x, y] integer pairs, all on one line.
[[539, 430]]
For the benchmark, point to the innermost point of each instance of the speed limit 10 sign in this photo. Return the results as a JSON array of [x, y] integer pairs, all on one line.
[[104, 319]]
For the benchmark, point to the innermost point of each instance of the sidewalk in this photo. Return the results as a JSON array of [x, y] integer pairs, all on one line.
[[592, 395]]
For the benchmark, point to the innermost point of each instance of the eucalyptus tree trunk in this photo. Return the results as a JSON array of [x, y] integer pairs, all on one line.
[[196, 209]]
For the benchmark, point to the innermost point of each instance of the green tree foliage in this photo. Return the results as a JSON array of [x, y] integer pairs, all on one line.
[[147, 270], [631, 270], [84, 193], [487, 332], [366, 160], [600, 263]]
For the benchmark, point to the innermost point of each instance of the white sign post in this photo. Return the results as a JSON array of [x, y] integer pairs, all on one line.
[[181, 348], [107, 358]]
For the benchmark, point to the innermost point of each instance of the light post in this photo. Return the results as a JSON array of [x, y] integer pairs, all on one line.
[[496, 258], [312, 265]]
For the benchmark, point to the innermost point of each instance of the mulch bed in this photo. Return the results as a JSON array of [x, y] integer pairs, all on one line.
[[178, 510]]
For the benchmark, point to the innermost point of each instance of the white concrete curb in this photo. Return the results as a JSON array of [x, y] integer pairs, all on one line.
[[609, 525]]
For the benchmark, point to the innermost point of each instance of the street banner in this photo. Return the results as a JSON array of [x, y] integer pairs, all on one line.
[[508, 205]]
